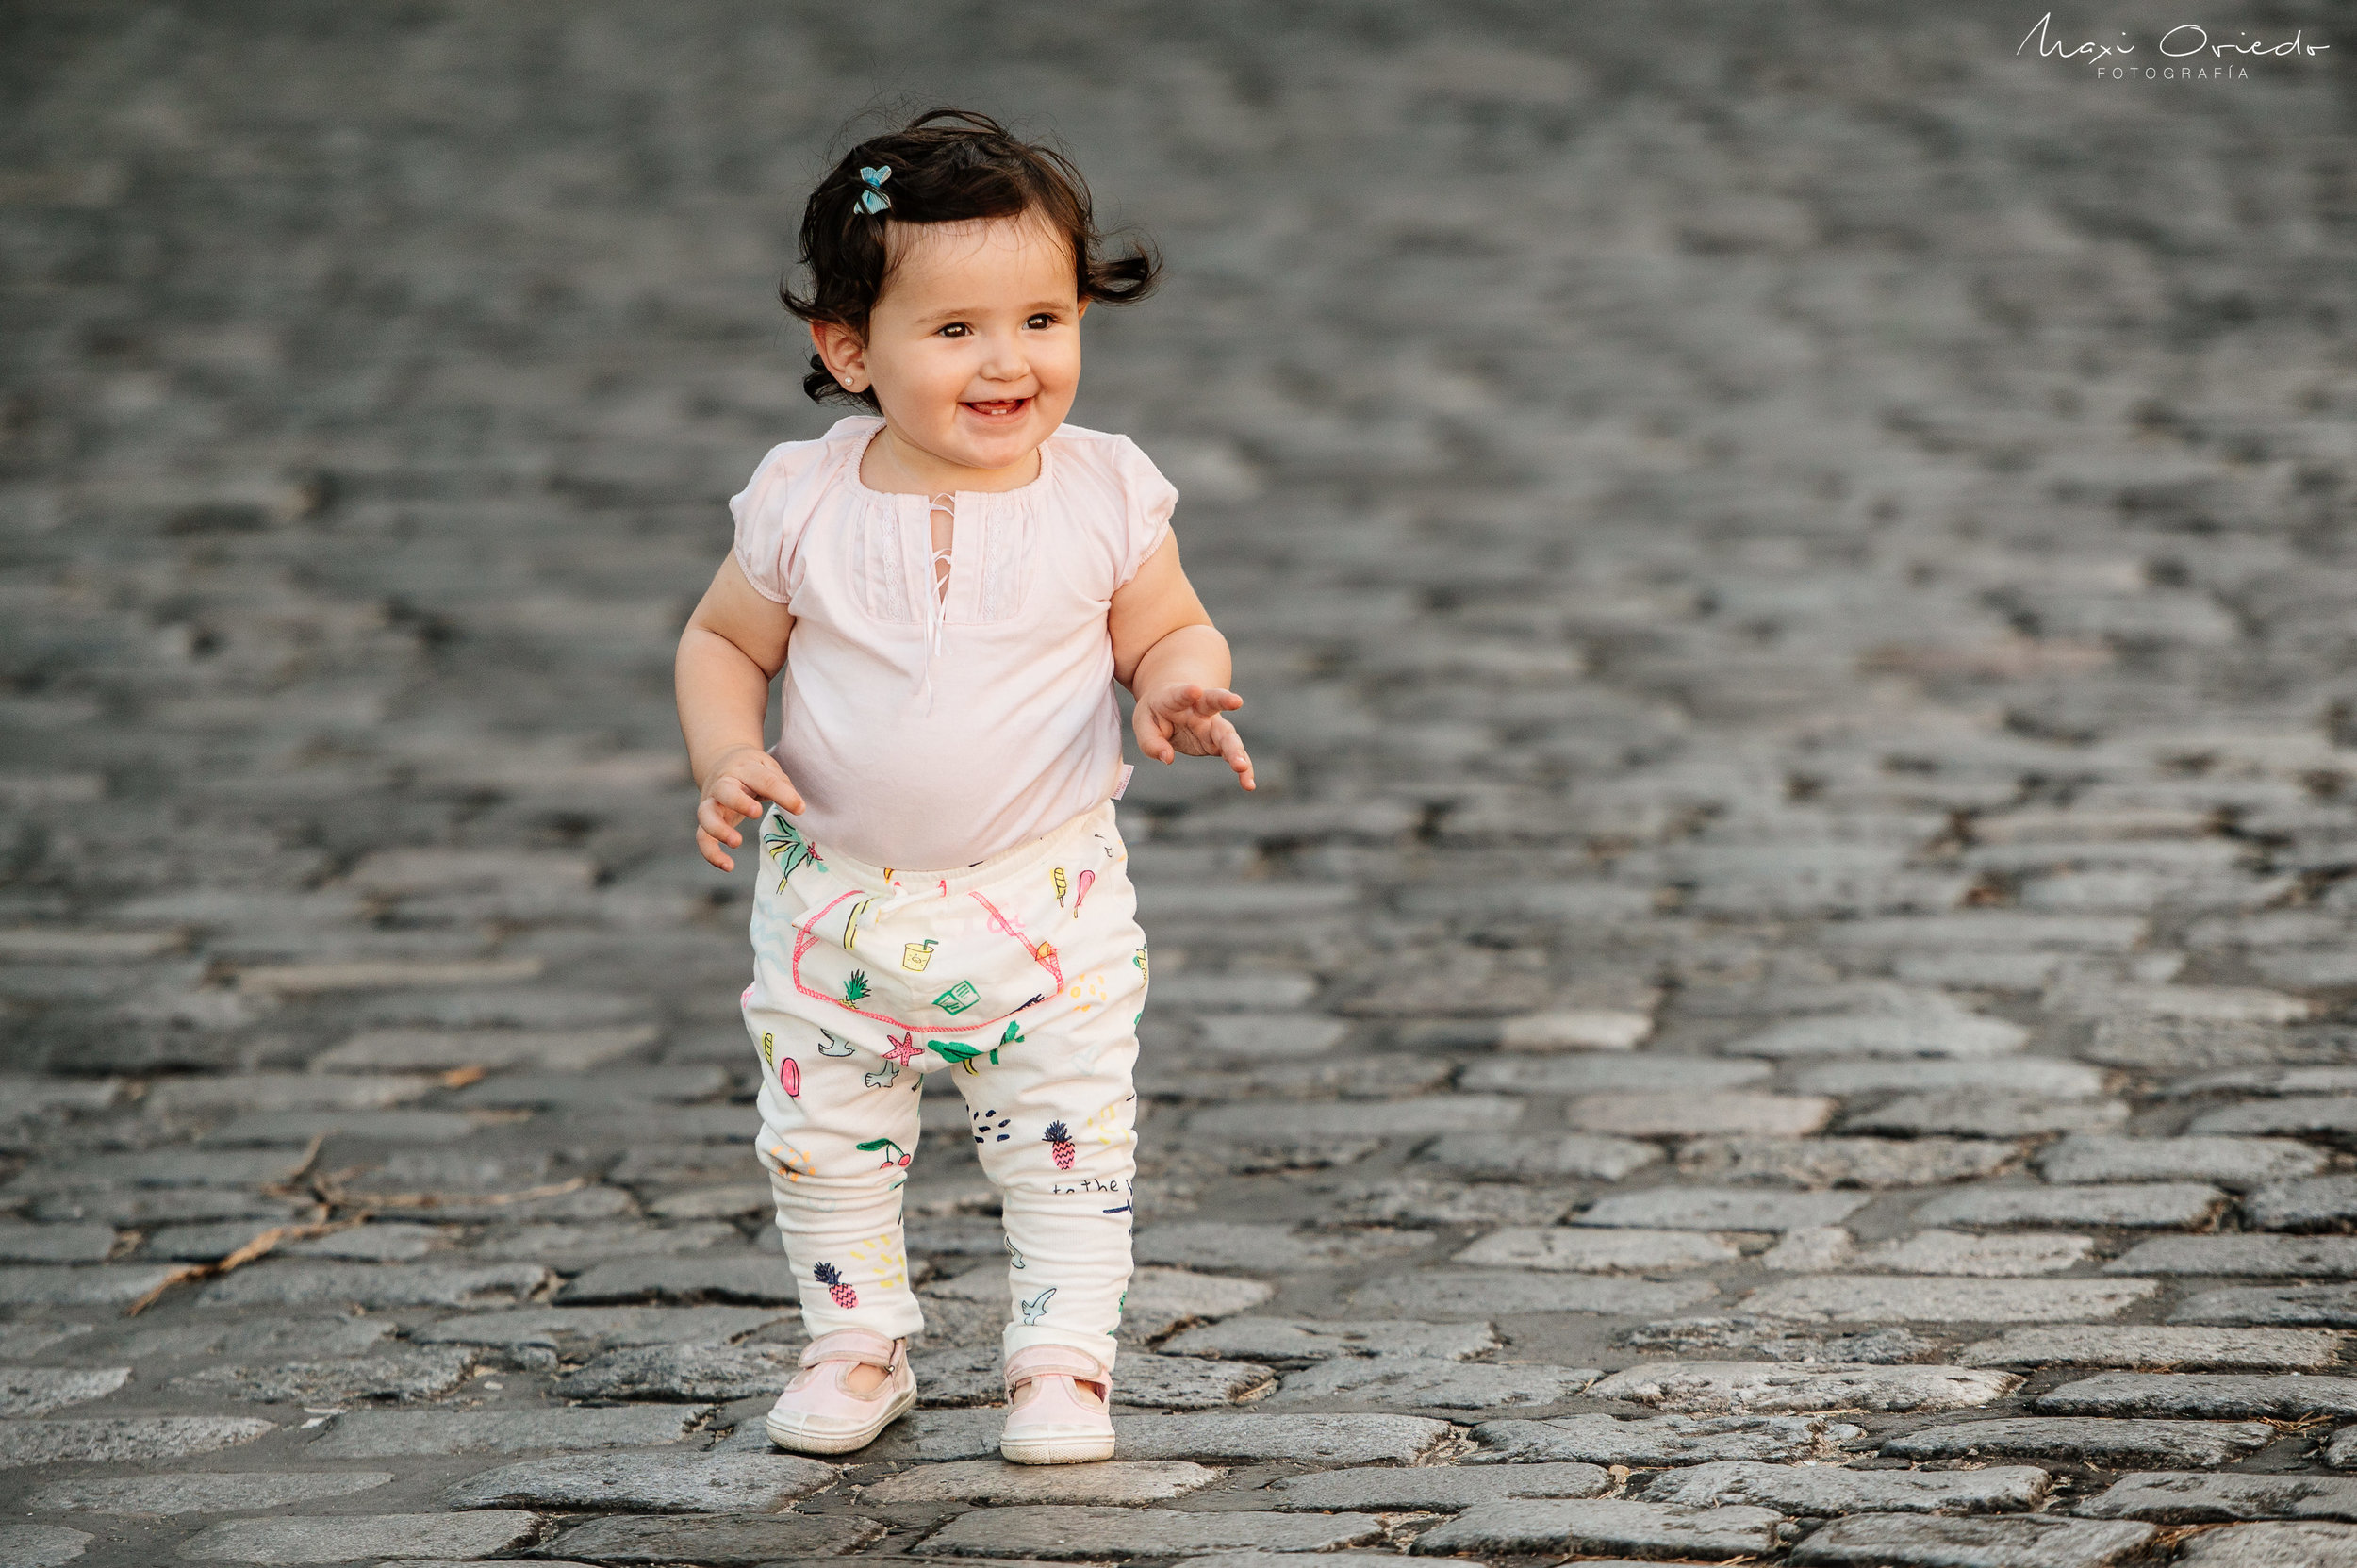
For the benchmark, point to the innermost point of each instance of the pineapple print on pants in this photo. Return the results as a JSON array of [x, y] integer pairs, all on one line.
[[994, 1002], [841, 1295]]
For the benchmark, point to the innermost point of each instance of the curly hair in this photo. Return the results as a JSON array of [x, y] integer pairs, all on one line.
[[964, 167]]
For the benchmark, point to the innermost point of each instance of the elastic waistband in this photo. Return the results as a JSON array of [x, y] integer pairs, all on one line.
[[1006, 862]]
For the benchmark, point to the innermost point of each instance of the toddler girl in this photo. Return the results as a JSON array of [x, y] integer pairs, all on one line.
[[952, 583]]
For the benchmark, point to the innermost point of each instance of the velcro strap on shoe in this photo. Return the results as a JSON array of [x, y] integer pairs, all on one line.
[[853, 1345], [1053, 1360]]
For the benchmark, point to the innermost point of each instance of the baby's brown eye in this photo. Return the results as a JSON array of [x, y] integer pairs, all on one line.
[[1042, 319]]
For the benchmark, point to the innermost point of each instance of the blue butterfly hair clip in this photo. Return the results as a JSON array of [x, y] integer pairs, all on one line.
[[873, 199]]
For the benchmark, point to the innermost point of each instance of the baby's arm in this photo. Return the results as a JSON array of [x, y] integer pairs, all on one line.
[[734, 643], [1168, 652]]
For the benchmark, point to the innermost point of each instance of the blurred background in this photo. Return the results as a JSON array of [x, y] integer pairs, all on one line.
[[1598, 426]]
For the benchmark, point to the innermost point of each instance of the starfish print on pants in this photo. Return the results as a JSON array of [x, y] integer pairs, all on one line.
[[903, 1049]]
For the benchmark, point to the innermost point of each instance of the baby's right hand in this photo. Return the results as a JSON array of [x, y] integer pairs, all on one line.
[[741, 779]]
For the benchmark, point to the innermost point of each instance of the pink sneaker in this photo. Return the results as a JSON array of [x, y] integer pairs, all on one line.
[[818, 1414], [1056, 1412]]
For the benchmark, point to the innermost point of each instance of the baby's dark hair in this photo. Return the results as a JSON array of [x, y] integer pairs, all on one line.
[[968, 167]]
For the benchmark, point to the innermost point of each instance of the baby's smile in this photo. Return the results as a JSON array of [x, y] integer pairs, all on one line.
[[998, 409]]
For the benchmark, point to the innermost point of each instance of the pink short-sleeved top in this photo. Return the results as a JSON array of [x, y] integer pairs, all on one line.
[[936, 746]]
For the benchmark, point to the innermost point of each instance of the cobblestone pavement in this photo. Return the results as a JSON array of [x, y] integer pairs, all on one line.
[[1790, 993]]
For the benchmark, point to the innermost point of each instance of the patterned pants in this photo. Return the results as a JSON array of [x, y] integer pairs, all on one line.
[[1023, 978]]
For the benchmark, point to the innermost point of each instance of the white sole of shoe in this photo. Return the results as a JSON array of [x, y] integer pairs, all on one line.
[[1062, 1448], [838, 1442]]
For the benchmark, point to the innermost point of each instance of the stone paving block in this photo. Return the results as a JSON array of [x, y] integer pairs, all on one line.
[[1983, 1114], [698, 1373], [40, 1545], [1538, 1156], [2293, 1115], [345, 1538], [1985, 1257], [1483, 1292], [1308, 1439], [1721, 1208], [1844, 1162], [200, 1491], [2316, 1257], [1376, 1558], [374, 1434], [1602, 1524], [1429, 1201], [1907, 1540], [1598, 1250], [2316, 1203], [2235, 1164], [750, 1277], [2006, 1075], [1822, 1490], [1587, 1075], [1575, 1029], [429, 1050], [55, 1244], [294, 1128], [1373, 1118], [1993, 929], [1765, 1339], [2111, 1444], [1420, 1382], [376, 1286], [998, 1484], [138, 1207], [654, 1482], [29, 1391], [2140, 1346], [401, 1373], [1730, 1111], [710, 1540], [1283, 1340], [1085, 1533], [1271, 1249], [23, 1340], [1818, 1249], [2207, 1395], [2150, 1204], [123, 1440], [933, 1436], [2168, 1497], [1945, 1032], [96, 1285], [2324, 1306], [1436, 1489], [1865, 1299], [695, 1203], [1660, 1439], [2277, 1545], [155, 1168], [1778, 1388], [600, 1327]]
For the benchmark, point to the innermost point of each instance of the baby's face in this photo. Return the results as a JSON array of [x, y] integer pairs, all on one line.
[[975, 347]]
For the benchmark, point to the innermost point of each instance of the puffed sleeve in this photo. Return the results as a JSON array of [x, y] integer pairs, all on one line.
[[770, 512], [1148, 501]]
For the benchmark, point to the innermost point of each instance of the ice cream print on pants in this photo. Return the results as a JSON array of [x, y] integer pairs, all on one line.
[[874, 985]]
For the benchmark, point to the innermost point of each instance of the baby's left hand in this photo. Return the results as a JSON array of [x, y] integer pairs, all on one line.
[[1191, 718]]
